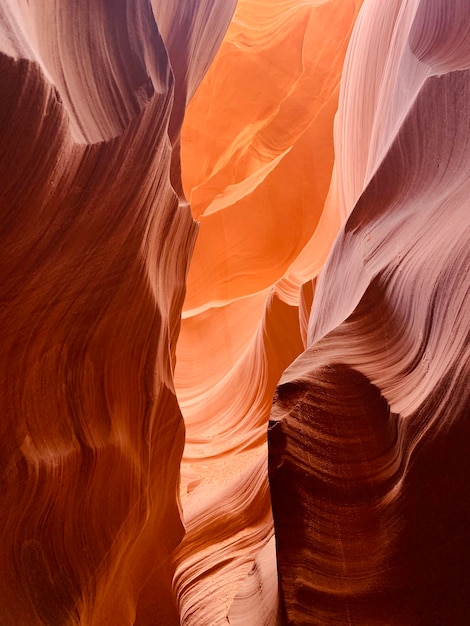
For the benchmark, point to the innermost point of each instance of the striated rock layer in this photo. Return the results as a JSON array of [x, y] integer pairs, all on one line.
[[95, 244], [257, 156], [367, 457], [368, 461]]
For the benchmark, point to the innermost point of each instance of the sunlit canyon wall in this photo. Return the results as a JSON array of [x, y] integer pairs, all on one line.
[[207, 205]]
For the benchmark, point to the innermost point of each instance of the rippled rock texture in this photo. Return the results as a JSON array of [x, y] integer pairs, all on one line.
[[95, 245], [368, 434], [323, 147], [257, 158]]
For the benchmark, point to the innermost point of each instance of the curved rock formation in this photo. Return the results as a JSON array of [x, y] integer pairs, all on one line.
[[262, 116], [339, 266], [94, 255], [367, 462], [257, 600]]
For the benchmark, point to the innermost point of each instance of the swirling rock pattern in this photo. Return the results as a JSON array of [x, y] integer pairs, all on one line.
[[94, 255], [340, 266], [367, 457], [262, 116], [257, 600]]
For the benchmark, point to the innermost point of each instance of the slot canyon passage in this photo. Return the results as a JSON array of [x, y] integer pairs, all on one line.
[[235, 312]]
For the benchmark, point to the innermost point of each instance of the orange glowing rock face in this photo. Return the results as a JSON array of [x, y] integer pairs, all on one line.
[[257, 145], [257, 158], [323, 147]]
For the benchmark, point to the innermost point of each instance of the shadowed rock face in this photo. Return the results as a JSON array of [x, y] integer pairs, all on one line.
[[333, 460], [95, 245], [367, 458], [332, 254]]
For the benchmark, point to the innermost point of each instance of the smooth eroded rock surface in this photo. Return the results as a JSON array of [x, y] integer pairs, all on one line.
[[367, 453], [95, 245]]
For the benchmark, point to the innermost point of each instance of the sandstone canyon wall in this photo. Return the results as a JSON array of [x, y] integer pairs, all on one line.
[[368, 434], [94, 254], [257, 157], [204, 205]]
